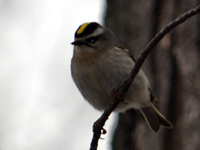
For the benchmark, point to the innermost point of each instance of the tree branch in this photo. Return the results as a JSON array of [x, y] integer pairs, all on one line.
[[118, 95]]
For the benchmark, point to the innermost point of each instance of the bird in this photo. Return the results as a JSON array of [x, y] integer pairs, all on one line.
[[99, 66]]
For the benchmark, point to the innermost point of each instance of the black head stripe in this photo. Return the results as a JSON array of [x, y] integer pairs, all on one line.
[[86, 29]]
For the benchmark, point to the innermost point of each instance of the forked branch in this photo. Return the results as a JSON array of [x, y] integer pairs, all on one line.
[[118, 95]]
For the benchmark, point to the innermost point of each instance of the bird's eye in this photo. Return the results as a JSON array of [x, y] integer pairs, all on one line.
[[92, 39]]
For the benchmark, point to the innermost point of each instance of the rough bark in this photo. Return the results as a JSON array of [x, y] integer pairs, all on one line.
[[173, 69]]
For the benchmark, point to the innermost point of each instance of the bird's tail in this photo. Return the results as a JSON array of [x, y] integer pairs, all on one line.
[[154, 118]]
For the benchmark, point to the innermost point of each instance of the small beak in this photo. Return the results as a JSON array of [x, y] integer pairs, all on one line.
[[77, 43]]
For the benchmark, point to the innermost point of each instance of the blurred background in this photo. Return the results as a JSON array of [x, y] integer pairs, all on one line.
[[173, 68], [40, 107]]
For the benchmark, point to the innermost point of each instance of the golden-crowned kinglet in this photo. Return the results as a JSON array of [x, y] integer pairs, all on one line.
[[100, 64]]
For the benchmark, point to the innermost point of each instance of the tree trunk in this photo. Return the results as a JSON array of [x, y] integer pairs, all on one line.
[[173, 69]]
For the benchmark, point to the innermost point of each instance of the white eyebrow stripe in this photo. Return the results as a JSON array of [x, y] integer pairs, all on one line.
[[97, 32]]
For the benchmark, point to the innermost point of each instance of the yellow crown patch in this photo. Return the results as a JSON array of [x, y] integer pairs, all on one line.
[[82, 27]]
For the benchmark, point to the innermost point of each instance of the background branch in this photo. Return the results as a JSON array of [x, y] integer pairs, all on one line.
[[118, 95]]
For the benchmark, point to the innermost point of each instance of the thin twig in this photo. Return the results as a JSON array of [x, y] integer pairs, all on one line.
[[121, 92]]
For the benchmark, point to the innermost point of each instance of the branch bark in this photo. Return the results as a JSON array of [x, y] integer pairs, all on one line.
[[118, 95]]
